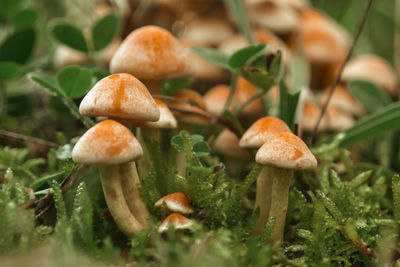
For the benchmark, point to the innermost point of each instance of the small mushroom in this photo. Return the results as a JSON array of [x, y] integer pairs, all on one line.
[[111, 146], [176, 202], [283, 153], [258, 134], [179, 222]]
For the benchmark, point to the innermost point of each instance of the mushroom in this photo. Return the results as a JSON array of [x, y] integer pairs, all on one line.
[[324, 44], [283, 153], [123, 97], [374, 69], [151, 52], [111, 146], [216, 97], [343, 100], [179, 222], [176, 202], [259, 133]]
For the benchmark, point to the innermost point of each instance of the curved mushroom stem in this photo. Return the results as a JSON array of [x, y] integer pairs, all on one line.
[[263, 198], [130, 184], [279, 202], [110, 180]]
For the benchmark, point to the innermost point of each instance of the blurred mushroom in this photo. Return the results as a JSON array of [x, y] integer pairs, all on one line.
[[151, 52], [374, 69], [343, 100], [324, 44]]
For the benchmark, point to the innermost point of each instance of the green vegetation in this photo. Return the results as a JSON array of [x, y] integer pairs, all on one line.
[[53, 212]]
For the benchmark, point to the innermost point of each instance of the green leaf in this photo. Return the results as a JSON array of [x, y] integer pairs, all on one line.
[[9, 70], [287, 104], [372, 97], [258, 77], [214, 56], [18, 47], [105, 30], [25, 18], [381, 121], [300, 73], [42, 182], [275, 67], [74, 81], [171, 86], [47, 81], [177, 142], [240, 57], [69, 35], [201, 148]]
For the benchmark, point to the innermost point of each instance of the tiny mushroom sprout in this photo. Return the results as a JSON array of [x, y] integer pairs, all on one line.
[[283, 153], [179, 222], [123, 97], [176, 202], [109, 145], [151, 52], [258, 134]]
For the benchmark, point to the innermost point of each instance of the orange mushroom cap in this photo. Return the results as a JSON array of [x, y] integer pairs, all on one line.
[[286, 151], [176, 202], [151, 52], [261, 131], [179, 221], [122, 96], [108, 142]]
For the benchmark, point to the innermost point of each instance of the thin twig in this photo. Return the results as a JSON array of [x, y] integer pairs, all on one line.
[[251, 99], [333, 86], [28, 139]]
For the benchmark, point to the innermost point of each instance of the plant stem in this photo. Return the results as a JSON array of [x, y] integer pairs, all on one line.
[[110, 180], [75, 112], [235, 76]]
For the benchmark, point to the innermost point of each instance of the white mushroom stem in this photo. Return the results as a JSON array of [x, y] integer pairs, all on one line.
[[279, 201], [263, 198], [130, 187], [113, 193]]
